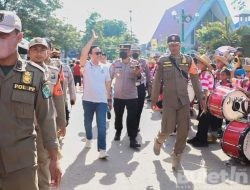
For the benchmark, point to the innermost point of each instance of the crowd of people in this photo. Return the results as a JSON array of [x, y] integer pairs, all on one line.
[[36, 94]]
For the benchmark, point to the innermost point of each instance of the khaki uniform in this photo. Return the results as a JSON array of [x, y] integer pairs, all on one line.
[[176, 103], [124, 79], [68, 83], [53, 76], [22, 91]]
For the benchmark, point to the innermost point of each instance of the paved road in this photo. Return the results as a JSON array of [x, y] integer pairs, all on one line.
[[126, 169]]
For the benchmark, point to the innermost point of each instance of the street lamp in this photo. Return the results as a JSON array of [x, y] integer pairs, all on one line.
[[184, 19], [130, 19]]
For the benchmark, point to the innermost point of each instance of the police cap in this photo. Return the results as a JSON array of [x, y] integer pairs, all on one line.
[[38, 41], [125, 46], [173, 38]]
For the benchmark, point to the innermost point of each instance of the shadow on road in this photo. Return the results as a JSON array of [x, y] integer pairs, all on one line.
[[118, 162]]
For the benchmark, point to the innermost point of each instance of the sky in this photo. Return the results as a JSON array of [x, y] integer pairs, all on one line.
[[146, 14]]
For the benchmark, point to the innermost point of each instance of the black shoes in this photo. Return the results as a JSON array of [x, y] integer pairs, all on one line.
[[191, 141], [134, 144], [117, 136], [197, 143], [200, 144], [108, 114]]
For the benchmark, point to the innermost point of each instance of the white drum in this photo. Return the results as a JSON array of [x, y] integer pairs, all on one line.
[[228, 103]]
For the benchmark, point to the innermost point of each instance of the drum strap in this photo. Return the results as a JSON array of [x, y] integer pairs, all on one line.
[[183, 73]]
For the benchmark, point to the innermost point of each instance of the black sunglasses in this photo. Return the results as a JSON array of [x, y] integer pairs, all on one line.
[[98, 53]]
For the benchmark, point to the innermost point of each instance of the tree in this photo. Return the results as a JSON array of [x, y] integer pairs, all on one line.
[[34, 14], [110, 33], [38, 19], [214, 35], [244, 33], [63, 36], [113, 28]]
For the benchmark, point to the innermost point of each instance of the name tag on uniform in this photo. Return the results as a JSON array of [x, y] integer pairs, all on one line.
[[167, 64], [24, 87]]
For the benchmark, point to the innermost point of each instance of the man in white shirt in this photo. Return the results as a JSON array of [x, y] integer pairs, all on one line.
[[97, 94]]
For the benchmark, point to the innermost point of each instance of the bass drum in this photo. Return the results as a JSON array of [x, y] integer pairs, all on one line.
[[236, 140], [227, 103]]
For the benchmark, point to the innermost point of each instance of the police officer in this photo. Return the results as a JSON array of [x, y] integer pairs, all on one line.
[[124, 73], [142, 82], [68, 82], [38, 53], [23, 90], [175, 70]]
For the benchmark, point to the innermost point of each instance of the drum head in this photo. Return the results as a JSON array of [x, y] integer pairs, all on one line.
[[227, 108], [246, 145]]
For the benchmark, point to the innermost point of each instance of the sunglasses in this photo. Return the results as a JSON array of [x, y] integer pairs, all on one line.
[[98, 53]]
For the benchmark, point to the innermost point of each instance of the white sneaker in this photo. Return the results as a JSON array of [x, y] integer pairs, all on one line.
[[103, 154], [88, 143]]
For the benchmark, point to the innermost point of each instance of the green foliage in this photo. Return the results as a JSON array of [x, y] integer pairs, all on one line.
[[214, 35], [113, 28], [38, 19], [244, 32], [110, 33]]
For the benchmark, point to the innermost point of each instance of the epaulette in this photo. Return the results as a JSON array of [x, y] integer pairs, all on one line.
[[55, 62], [52, 67], [36, 66]]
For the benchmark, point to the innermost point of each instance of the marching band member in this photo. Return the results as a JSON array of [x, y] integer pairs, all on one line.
[[207, 83]]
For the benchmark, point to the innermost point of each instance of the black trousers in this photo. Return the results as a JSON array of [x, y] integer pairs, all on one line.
[[67, 114], [141, 89], [207, 120], [77, 79], [131, 106]]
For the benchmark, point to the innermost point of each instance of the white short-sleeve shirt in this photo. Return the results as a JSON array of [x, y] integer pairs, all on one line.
[[95, 78]]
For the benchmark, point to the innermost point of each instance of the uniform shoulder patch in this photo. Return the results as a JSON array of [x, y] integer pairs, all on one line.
[[46, 92], [36, 66]]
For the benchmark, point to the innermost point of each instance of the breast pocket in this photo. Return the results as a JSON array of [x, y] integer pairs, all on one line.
[[23, 103], [168, 73]]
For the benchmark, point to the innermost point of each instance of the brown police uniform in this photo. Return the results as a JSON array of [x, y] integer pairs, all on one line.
[[68, 83], [22, 91], [176, 103], [53, 76]]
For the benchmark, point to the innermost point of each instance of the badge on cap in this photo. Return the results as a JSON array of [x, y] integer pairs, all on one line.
[[27, 77], [1, 17], [46, 91]]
